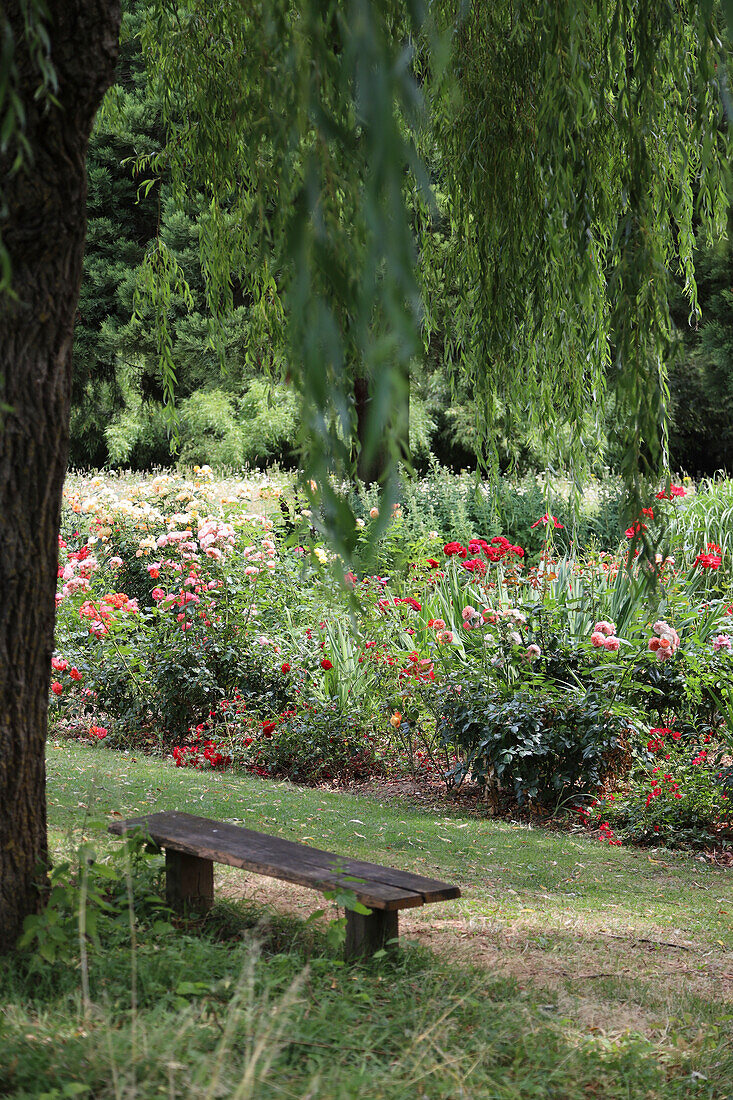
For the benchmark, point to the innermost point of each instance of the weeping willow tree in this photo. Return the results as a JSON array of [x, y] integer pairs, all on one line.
[[578, 144]]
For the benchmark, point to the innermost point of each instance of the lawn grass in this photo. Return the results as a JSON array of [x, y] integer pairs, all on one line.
[[550, 977], [507, 872]]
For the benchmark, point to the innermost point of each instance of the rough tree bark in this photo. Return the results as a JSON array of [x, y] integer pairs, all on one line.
[[44, 231]]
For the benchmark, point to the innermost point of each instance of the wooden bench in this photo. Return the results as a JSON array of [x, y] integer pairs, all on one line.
[[194, 844]]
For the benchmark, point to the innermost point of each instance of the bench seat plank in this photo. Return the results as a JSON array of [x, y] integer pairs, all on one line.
[[381, 887]]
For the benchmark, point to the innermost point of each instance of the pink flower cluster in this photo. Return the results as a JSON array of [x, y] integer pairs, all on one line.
[[80, 566], [215, 538], [723, 641], [603, 636], [471, 617], [667, 641]]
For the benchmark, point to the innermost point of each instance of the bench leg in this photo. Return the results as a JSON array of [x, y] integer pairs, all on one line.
[[365, 935], [189, 882]]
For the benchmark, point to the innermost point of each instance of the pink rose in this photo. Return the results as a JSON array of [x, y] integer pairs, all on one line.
[[611, 644], [597, 639]]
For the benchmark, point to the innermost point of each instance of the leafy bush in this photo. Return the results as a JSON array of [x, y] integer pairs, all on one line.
[[269, 419], [314, 745], [539, 748], [210, 430], [681, 793], [461, 506]]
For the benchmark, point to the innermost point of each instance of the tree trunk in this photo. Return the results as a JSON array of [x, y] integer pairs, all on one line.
[[374, 466], [43, 229]]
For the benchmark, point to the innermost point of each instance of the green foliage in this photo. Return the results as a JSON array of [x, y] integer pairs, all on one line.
[[316, 745], [269, 419], [569, 222], [682, 792], [144, 328], [463, 506], [90, 905], [539, 747], [707, 517], [701, 377]]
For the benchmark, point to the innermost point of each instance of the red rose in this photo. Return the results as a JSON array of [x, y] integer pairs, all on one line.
[[285, 668], [326, 664]]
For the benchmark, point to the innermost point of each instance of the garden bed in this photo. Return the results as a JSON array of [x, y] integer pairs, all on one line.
[[533, 684]]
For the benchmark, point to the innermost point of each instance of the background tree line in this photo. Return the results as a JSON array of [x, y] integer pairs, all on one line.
[[248, 413]]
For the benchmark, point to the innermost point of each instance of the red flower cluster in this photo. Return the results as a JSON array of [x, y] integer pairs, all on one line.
[[656, 744], [496, 550], [547, 518], [674, 491], [79, 555], [635, 529], [409, 601], [191, 756], [61, 665], [666, 786], [421, 671], [606, 833], [710, 560]]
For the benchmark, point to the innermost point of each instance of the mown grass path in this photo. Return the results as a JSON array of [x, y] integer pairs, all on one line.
[[568, 971], [625, 938]]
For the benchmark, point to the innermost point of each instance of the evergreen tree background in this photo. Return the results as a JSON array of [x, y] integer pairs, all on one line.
[[244, 413]]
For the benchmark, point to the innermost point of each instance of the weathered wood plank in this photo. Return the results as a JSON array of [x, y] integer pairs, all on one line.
[[365, 935], [189, 882], [285, 859]]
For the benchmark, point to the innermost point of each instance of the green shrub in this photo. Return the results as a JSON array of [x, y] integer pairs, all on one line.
[[461, 506], [680, 795], [317, 744], [269, 419], [537, 748], [138, 436], [210, 430]]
